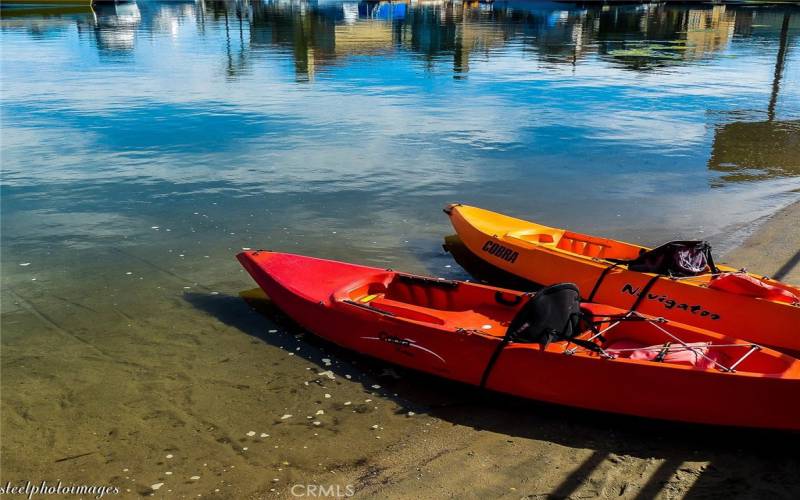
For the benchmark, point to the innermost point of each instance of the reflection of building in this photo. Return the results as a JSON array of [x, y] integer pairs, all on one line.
[[320, 33], [708, 31]]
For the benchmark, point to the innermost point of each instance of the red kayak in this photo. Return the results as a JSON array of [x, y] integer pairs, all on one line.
[[548, 346]]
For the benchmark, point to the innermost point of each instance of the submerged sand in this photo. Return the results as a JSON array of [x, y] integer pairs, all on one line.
[[193, 393]]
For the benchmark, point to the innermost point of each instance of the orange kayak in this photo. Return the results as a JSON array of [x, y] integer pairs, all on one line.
[[757, 308], [465, 332]]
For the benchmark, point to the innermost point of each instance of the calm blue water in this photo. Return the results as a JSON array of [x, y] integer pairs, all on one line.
[[182, 132]]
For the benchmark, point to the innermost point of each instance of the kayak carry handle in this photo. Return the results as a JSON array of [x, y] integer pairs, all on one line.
[[498, 297]]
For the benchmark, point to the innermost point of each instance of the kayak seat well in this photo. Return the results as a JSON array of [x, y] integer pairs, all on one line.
[[577, 243], [438, 302], [543, 236], [591, 246]]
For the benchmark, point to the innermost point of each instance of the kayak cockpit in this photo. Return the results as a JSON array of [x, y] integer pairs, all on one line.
[[577, 243], [444, 303]]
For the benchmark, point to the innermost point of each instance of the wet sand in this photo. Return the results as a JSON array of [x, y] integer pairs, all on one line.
[[184, 391], [774, 248]]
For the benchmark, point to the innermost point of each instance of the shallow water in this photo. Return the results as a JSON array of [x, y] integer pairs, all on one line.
[[143, 145]]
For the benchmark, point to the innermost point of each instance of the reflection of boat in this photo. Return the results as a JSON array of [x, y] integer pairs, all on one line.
[[115, 25], [385, 11]]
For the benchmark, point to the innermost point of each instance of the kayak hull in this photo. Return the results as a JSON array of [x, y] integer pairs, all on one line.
[[446, 341], [691, 302]]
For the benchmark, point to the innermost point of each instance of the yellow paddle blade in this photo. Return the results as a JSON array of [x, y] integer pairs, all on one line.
[[255, 294]]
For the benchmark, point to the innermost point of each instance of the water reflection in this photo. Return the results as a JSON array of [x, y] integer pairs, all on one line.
[[114, 25], [555, 108], [318, 34], [749, 150], [637, 37], [746, 151]]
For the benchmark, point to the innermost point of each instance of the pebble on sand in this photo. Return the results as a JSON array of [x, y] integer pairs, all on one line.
[[251, 433], [168, 473], [286, 416], [264, 435], [320, 412], [327, 396], [348, 403], [375, 426], [194, 478], [169, 456], [328, 374], [156, 486], [317, 422]]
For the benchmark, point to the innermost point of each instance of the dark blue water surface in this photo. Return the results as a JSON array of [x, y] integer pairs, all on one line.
[[183, 132]]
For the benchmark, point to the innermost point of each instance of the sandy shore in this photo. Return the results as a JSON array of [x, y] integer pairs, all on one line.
[[774, 248], [186, 391]]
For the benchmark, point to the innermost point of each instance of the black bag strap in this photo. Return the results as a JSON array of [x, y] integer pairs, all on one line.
[[495, 355], [644, 292], [710, 259], [599, 281]]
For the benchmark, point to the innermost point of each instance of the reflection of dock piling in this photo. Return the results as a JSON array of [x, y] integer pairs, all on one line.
[[749, 150]]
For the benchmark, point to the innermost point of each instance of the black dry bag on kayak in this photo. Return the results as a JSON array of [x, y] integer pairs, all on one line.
[[552, 314], [676, 258]]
